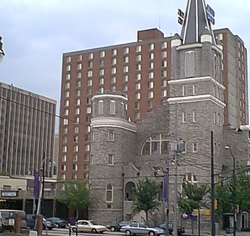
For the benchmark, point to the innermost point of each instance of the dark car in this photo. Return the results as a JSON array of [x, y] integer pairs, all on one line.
[[118, 226], [58, 222], [31, 222], [180, 230]]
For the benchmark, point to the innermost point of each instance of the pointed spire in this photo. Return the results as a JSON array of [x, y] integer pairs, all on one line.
[[195, 22]]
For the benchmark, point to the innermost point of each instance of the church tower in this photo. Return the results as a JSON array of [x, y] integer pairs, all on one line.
[[196, 91], [113, 147]]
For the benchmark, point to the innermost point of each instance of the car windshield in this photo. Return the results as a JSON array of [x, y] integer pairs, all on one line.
[[92, 222]]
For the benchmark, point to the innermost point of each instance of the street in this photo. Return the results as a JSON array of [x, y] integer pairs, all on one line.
[[60, 232], [65, 232]]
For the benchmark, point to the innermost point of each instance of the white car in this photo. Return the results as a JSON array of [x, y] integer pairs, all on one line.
[[88, 226], [139, 228]]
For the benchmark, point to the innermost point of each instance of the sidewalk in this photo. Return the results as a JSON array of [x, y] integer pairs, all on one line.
[[221, 233]]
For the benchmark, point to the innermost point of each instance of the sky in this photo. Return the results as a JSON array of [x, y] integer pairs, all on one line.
[[37, 32]]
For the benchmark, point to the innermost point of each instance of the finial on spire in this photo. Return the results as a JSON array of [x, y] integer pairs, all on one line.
[[197, 21]]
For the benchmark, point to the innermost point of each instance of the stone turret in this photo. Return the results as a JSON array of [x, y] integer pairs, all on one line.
[[113, 146]]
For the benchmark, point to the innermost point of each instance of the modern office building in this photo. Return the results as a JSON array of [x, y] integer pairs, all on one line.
[[26, 131], [141, 70], [55, 155]]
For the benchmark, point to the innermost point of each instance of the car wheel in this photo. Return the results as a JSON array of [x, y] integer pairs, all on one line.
[[93, 231], [112, 229], [127, 232], [151, 233]]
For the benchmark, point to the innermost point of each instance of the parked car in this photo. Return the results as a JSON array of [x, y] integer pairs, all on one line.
[[1, 226], [31, 222], [118, 226], [58, 222], [88, 226], [140, 228], [180, 230]]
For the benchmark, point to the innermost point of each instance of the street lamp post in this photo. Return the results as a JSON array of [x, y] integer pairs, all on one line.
[[234, 189], [42, 185], [179, 147]]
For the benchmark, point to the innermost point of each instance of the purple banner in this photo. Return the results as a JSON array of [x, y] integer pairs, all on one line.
[[165, 193], [36, 187]]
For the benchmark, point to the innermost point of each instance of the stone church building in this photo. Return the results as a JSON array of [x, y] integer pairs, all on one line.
[[123, 152]]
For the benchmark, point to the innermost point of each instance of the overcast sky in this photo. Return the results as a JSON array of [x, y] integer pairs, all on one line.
[[37, 32]]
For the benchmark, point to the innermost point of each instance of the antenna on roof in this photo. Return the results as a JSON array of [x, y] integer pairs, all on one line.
[[159, 22]]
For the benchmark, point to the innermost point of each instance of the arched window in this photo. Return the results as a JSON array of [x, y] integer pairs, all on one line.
[[109, 193], [130, 191], [157, 144]]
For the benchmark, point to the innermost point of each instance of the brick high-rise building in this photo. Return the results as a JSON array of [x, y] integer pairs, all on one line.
[[27, 124], [141, 70]]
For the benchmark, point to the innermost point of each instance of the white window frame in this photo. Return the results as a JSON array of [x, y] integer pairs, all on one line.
[[79, 66], [126, 50], [67, 77], [113, 70], [109, 190], [101, 72], [137, 86], [194, 116], [138, 48], [151, 46], [195, 147], [151, 75], [112, 107], [90, 73], [184, 90], [138, 57], [102, 54], [114, 61], [150, 94], [68, 59], [184, 117], [164, 54], [111, 135], [194, 89], [100, 107], [114, 52], [111, 159]]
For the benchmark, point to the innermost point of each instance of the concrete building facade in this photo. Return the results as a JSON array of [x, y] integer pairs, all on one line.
[[26, 131]]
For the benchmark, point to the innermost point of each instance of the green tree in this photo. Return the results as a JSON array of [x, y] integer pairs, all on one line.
[[243, 190], [224, 198], [146, 196], [192, 196], [76, 195], [225, 192]]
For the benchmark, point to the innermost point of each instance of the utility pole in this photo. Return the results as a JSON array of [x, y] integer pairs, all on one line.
[[234, 190], [166, 199], [179, 147], [175, 193], [212, 186]]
